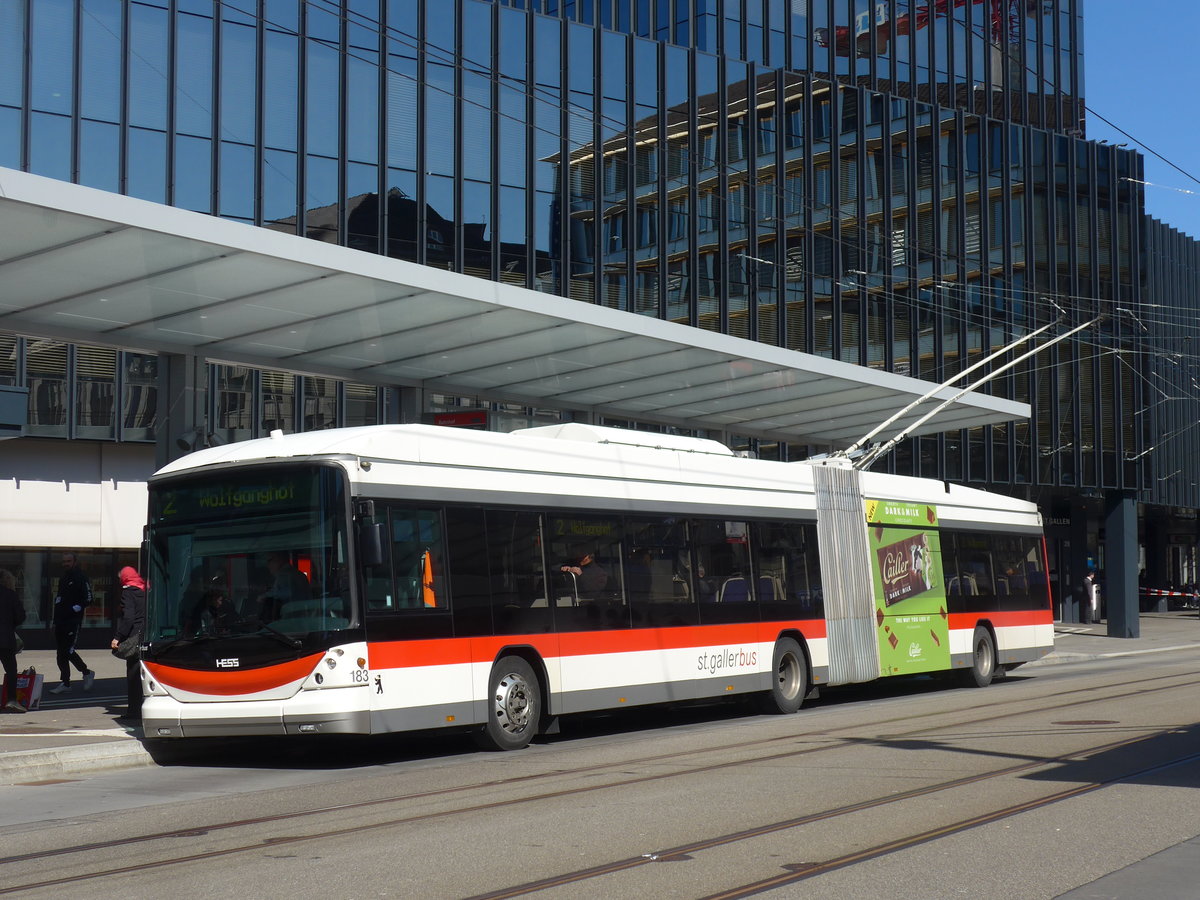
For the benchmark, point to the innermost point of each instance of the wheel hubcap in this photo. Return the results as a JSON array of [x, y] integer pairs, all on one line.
[[983, 658], [512, 703], [789, 676]]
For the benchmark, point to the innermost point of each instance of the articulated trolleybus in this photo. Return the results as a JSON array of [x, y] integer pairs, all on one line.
[[409, 577]]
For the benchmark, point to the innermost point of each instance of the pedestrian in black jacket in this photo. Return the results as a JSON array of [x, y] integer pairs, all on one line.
[[74, 596], [12, 614], [132, 622]]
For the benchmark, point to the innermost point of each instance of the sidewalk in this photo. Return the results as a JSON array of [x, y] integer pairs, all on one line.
[[72, 733], [76, 733], [1159, 632]]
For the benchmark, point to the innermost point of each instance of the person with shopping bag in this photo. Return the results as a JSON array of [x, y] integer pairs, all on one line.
[[128, 635], [12, 615]]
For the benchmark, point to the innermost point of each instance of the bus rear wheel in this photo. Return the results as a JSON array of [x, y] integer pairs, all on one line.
[[983, 659], [789, 679], [514, 706]]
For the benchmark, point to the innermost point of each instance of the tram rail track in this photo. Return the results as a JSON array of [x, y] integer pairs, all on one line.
[[809, 870], [832, 739]]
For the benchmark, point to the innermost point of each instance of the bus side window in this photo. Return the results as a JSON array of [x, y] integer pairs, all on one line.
[[652, 573], [584, 560], [723, 575], [379, 592], [516, 573], [785, 574], [955, 585], [418, 559], [467, 539]]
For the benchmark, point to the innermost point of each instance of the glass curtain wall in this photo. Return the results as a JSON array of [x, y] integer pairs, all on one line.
[[896, 184]]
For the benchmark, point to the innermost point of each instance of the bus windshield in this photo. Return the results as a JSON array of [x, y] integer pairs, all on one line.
[[260, 551]]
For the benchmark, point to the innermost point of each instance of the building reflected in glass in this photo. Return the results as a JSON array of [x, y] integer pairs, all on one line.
[[901, 184]]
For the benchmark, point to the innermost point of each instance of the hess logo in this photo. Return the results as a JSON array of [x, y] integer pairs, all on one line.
[[231, 662]]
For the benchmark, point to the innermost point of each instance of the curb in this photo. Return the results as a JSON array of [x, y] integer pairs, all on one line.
[[1057, 657], [32, 765]]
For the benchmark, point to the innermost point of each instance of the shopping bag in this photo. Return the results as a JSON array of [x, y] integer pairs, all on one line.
[[29, 689]]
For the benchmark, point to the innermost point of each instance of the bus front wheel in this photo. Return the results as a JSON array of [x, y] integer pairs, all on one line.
[[789, 678], [983, 659], [514, 706]]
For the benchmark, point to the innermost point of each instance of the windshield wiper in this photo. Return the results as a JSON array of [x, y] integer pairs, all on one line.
[[255, 622], [179, 641]]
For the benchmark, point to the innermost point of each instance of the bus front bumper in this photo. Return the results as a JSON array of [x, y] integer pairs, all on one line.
[[164, 717]]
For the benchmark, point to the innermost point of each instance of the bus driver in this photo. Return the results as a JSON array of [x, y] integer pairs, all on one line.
[[288, 585]]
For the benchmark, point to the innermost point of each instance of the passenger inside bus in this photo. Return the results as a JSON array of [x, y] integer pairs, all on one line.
[[288, 585], [591, 579]]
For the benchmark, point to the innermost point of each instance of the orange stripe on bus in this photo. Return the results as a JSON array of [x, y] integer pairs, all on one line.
[[228, 682], [1003, 619], [460, 651]]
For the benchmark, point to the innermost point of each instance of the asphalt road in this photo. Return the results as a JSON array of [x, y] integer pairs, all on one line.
[[1038, 786]]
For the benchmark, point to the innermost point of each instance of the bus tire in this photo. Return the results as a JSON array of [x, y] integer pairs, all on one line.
[[983, 659], [789, 679], [514, 706]]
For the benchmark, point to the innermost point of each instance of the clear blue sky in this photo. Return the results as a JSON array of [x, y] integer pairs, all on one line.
[[1142, 73]]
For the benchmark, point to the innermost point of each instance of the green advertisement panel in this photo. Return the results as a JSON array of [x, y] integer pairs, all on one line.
[[910, 593]]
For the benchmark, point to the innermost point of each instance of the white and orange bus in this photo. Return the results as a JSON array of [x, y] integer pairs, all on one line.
[[408, 577]]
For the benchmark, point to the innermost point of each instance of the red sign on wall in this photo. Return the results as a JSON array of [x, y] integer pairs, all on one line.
[[467, 418]]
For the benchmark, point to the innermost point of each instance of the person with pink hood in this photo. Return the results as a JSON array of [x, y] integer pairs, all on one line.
[[132, 621]]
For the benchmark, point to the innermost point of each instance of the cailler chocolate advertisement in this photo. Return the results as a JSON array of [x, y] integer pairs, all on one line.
[[910, 593]]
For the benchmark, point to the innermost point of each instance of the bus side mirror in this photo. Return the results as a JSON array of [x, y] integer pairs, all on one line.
[[370, 543]]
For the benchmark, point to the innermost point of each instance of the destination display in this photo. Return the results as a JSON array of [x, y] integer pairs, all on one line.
[[273, 492]]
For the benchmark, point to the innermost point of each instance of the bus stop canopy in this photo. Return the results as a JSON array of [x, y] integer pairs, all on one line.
[[84, 265]]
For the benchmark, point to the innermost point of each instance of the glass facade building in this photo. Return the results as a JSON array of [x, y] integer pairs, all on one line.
[[1172, 411], [900, 184], [897, 185]]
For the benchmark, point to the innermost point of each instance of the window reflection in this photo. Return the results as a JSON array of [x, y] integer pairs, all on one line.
[[279, 191], [139, 396], [323, 87], [237, 181], [193, 178], [233, 396], [320, 403], [50, 146], [278, 402], [8, 359], [148, 67], [147, 174], [362, 404], [10, 137], [362, 94], [95, 392], [440, 231], [238, 79], [321, 212], [279, 89], [52, 29], [100, 59], [194, 75], [12, 56], [100, 155], [46, 378]]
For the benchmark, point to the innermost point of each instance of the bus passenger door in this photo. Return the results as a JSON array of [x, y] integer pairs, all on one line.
[[417, 680]]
